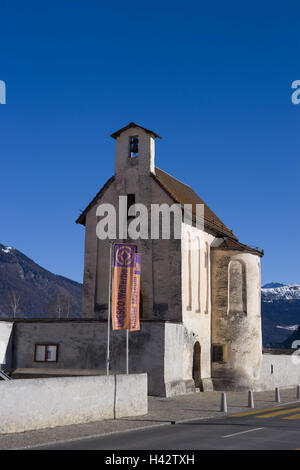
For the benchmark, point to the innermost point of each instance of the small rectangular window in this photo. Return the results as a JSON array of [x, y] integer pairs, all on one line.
[[130, 202], [40, 352], [217, 353], [46, 352]]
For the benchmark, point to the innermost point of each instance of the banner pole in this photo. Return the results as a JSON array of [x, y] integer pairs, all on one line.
[[127, 351], [109, 311]]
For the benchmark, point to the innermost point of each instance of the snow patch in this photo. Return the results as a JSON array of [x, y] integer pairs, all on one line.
[[290, 328], [7, 249]]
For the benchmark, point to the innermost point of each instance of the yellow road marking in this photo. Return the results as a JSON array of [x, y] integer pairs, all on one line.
[[248, 413], [297, 416], [278, 413]]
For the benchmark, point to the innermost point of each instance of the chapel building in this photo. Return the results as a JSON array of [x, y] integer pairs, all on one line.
[[200, 293]]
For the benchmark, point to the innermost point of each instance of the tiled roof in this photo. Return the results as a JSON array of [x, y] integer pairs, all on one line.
[[230, 244], [183, 194], [133, 124]]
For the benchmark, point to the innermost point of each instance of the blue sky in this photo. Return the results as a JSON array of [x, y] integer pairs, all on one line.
[[212, 78]]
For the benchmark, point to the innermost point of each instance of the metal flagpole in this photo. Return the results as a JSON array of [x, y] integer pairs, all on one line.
[[109, 310], [127, 351]]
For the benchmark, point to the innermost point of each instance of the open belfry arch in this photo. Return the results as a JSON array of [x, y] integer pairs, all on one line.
[[200, 322]]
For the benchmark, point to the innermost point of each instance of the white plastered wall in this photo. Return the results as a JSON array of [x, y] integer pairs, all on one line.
[[196, 299]]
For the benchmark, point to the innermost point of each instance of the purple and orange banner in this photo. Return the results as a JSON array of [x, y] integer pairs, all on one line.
[[126, 288]]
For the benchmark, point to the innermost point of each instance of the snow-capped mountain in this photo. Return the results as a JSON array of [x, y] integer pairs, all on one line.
[[275, 291], [280, 305]]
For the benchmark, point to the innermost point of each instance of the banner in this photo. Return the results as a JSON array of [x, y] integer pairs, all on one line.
[[126, 287]]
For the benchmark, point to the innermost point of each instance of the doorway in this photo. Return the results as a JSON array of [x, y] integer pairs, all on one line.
[[197, 364]]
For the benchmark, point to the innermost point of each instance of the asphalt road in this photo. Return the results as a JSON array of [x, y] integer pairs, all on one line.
[[277, 428]]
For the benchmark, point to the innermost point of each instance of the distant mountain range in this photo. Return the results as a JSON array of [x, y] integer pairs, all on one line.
[[275, 291], [30, 291], [280, 312]]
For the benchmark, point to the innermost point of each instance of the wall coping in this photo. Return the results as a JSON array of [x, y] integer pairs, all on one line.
[[278, 351]]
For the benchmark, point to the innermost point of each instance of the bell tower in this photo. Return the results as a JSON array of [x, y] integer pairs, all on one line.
[[135, 147]]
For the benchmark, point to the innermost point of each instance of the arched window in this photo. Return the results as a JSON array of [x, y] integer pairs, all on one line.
[[189, 273], [199, 276], [237, 302], [207, 269]]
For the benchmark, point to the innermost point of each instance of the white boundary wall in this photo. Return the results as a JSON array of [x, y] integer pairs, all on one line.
[[29, 404], [5, 334], [279, 371]]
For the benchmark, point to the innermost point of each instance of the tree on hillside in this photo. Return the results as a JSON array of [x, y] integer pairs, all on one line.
[[62, 305], [71, 306], [14, 300]]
